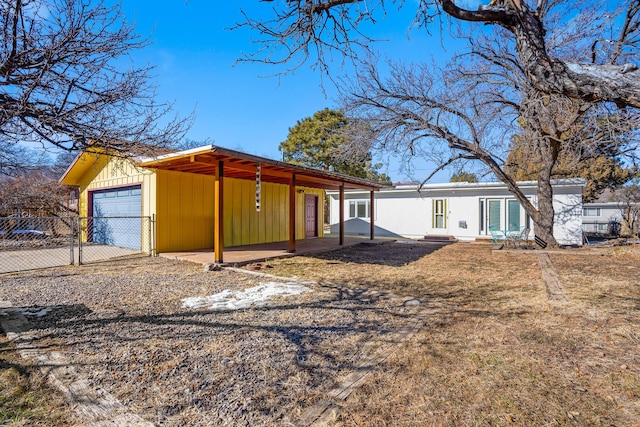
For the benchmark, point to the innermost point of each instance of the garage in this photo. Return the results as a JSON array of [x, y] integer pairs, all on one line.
[[116, 216]]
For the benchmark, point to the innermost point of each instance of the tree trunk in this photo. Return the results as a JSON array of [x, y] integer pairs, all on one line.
[[546, 214], [590, 82]]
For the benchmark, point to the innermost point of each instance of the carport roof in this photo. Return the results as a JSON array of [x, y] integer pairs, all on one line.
[[236, 164]]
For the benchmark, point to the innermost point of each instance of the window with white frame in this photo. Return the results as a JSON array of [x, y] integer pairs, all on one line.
[[439, 219], [513, 215], [359, 209], [590, 211], [494, 209]]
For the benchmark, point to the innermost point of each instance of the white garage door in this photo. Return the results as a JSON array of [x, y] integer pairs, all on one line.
[[116, 217]]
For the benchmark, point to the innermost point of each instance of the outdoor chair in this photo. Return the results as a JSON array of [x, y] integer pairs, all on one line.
[[496, 236], [518, 238]]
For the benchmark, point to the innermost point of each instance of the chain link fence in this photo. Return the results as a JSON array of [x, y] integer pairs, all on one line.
[[28, 243]]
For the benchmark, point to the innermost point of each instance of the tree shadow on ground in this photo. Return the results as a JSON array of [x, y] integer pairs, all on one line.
[[394, 254]]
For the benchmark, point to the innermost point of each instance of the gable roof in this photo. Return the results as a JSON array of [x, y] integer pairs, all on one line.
[[87, 159]]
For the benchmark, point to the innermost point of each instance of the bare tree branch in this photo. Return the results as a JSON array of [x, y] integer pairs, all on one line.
[[301, 25], [62, 83]]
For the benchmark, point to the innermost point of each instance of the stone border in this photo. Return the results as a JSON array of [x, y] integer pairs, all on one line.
[[96, 406], [555, 289]]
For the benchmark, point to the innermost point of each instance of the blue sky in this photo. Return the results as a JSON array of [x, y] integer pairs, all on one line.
[[239, 106]]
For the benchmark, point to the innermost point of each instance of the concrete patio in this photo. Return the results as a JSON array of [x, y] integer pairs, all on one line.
[[240, 255]]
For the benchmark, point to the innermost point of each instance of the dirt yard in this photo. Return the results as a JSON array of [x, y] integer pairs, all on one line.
[[494, 348]]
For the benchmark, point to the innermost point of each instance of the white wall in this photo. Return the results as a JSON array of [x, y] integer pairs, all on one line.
[[404, 212], [609, 212]]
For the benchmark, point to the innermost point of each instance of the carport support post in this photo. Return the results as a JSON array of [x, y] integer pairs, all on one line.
[[292, 214], [371, 214], [341, 214], [218, 228]]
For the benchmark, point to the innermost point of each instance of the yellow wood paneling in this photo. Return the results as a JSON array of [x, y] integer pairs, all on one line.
[[283, 212], [230, 188], [184, 211], [245, 226], [183, 205]]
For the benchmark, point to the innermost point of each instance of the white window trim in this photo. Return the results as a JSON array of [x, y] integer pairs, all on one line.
[[356, 203]]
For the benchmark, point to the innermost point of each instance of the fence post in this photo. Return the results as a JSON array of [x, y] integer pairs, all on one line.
[[153, 235], [71, 223], [79, 240]]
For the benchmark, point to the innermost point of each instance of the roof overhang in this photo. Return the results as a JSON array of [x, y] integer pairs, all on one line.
[[557, 184], [205, 160], [80, 166]]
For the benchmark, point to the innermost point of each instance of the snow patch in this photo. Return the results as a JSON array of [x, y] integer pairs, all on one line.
[[257, 296]]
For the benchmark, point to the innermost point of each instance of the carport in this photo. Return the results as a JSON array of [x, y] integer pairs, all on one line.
[[221, 163]]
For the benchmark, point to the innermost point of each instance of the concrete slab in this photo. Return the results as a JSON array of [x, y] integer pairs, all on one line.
[[240, 255]]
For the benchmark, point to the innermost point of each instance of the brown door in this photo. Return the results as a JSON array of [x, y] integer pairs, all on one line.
[[311, 214]]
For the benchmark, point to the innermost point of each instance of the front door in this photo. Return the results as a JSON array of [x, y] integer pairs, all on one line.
[[311, 215]]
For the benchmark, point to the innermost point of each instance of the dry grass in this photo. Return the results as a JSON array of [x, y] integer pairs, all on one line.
[[494, 350], [25, 398]]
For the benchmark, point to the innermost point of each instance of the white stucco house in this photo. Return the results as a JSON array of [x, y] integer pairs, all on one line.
[[466, 211]]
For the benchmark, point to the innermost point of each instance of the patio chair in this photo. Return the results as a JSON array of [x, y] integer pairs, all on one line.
[[496, 236], [518, 238]]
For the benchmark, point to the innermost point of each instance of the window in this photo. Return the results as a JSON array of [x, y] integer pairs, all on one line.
[[493, 214], [439, 213], [481, 215], [513, 213], [359, 209], [590, 211]]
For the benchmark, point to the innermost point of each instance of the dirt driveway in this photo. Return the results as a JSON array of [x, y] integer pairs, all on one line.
[[494, 349]]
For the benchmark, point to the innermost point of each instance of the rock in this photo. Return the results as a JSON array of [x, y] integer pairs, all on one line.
[[412, 303], [212, 267]]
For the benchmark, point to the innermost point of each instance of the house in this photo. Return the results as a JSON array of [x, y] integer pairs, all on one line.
[[601, 218], [206, 197], [607, 216], [463, 210]]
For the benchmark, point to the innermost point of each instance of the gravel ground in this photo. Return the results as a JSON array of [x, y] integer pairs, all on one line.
[[122, 324]]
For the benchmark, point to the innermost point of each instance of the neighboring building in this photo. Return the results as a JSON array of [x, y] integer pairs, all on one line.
[[601, 218], [606, 216], [464, 210], [206, 197]]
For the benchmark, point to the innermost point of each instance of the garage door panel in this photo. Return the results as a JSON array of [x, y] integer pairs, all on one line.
[[117, 217]]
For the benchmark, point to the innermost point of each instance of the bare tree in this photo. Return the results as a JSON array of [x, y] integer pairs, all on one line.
[[628, 199], [65, 81], [474, 109], [300, 30], [522, 79], [37, 192]]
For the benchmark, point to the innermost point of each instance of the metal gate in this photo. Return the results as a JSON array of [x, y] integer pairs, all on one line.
[[36, 242]]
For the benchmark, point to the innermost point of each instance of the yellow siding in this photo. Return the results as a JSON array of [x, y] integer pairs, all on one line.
[[183, 205], [243, 225], [184, 211]]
